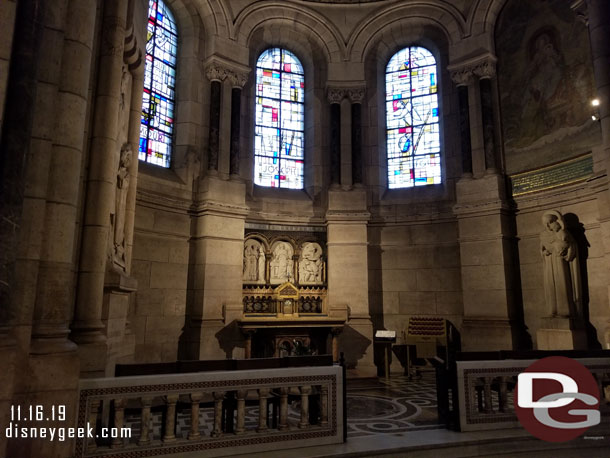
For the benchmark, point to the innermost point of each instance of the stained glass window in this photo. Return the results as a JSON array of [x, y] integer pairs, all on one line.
[[412, 119], [279, 130], [157, 126]]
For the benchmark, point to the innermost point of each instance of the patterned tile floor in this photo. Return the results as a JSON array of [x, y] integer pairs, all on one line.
[[374, 407], [380, 406]]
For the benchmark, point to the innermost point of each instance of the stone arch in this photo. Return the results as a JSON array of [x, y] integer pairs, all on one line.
[[307, 22], [443, 16], [311, 52], [380, 48]]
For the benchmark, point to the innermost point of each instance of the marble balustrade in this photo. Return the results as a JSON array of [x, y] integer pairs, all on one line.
[[316, 397], [486, 390]]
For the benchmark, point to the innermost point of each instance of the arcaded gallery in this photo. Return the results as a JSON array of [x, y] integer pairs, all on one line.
[[299, 228]]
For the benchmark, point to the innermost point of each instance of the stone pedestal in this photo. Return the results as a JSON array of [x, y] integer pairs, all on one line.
[[561, 333], [215, 279], [120, 342], [347, 219], [489, 284]]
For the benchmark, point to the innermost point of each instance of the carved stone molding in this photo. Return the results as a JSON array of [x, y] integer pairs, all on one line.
[[580, 10], [481, 67], [335, 94]]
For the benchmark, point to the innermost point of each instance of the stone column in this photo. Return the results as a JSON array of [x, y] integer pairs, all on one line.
[[87, 328], [490, 277], [15, 143], [462, 79], [237, 82], [346, 221], [216, 75], [356, 95], [486, 71], [335, 95], [17, 127]]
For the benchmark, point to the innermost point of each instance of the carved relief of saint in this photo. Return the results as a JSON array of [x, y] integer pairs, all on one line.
[[122, 189], [311, 264], [281, 263], [253, 270], [562, 283]]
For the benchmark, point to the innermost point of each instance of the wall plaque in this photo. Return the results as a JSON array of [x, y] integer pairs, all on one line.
[[552, 176]]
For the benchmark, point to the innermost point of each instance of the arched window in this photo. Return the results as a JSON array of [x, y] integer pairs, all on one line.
[[412, 119], [279, 130], [157, 126]]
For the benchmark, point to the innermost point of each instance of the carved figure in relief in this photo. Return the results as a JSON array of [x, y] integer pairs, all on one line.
[[261, 265], [281, 263], [311, 264], [122, 184], [562, 282], [252, 249]]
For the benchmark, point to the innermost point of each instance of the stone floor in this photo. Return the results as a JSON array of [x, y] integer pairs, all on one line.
[[380, 406]]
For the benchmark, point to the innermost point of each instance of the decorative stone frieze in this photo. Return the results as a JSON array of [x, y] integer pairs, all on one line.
[[481, 67]]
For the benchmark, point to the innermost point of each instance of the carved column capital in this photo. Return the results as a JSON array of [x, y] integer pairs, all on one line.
[[462, 77], [485, 69], [335, 94], [356, 94], [215, 72], [236, 78]]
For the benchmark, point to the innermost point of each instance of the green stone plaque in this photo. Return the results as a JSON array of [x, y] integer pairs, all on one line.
[[552, 176]]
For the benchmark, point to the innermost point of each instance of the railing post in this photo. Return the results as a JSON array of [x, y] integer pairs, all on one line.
[[263, 394], [344, 393], [487, 407], [502, 394], [195, 400], [283, 425], [144, 421], [170, 418], [324, 405], [119, 419], [241, 411], [218, 398], [94, 407], [305, 392]]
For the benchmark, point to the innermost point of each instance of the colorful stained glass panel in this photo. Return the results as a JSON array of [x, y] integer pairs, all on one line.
[[279, 130], [412, 119], [157, 125]]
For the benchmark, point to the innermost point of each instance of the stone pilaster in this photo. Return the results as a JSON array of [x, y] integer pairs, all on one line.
[[346, 220], [215, 280], [216, 74]]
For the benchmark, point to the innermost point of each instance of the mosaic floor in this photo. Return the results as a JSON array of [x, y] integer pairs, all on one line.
[[374, 407], [379, 406]]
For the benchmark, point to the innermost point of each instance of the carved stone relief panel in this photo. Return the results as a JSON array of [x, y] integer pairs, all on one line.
[[281, 265], [311, 264], [254, 262]]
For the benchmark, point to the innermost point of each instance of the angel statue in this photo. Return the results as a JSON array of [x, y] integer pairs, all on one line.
[[562, 282]]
